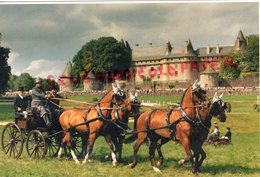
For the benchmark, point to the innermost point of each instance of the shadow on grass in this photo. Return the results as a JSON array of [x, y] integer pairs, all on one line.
[[210, 169], [229, 168]]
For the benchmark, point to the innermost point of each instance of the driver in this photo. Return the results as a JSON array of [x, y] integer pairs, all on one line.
[[39, 102]]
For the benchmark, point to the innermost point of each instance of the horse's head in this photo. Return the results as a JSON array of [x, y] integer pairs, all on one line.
[[198, 93], [218, 107], [134, 104], [118, 95]]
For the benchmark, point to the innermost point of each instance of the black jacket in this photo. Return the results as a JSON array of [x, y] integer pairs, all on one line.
[[21, 103]]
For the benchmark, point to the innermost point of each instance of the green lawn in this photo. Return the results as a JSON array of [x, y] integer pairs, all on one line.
[[239, 159]]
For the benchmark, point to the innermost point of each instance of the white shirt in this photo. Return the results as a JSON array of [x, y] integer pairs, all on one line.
[[21, 96]]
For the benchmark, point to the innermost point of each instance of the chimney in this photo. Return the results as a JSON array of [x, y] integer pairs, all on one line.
[[150, 43], [217, 49], [208, 49], [137, 45]]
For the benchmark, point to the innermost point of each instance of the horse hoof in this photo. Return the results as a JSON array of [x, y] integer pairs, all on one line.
[[114, 164], [107, 157], [158, 163], [181, 162], [131, 165], [157, 170], [77, 162], [196, 174], [90, 161]]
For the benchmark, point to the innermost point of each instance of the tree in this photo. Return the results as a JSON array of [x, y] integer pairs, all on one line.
[[242, 61], [228, 71], [5, 69], [249, 62], [105, 54], [11, 82], [24, 80]]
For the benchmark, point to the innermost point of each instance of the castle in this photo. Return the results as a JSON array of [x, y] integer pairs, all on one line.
[[165, 64]]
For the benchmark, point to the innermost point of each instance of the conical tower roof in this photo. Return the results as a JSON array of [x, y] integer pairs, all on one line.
[[188, 48], [67, 70], [240, 43]]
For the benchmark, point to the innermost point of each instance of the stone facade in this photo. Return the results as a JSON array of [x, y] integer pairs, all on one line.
[[166, 64]]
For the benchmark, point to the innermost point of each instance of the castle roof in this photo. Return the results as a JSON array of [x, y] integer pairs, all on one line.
[[223, 50], [240, 43], [157, 52], [67, 70]]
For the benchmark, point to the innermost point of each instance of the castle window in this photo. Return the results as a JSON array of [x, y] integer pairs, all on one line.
[[158, 76], [176, 73]]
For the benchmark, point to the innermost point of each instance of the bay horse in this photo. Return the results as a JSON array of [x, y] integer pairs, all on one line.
[[156, 124], [204, 114], [91, 122], [120, 117]]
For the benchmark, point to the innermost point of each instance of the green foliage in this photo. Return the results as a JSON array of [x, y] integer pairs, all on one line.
[[228, 71], [5, 69], [25, 80], [11, 82], [246, 61], [101, 55], [123, 85], [249, 62]]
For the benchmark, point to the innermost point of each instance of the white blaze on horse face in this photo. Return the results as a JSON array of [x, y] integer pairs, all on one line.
[[194, 86], [136, 94], [217, 98], [132, 97], [115, 89]]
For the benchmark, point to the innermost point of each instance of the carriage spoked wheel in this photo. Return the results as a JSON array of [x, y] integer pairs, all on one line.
[[12, 140], [53, 145], [35, 145], [79, 143]]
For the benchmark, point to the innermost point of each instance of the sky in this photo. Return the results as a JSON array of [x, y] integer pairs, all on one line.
[[44, 37]]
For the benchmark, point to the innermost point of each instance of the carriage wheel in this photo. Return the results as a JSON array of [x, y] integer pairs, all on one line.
[[53, 145], [35, 145], [12, 140], [77, 144]]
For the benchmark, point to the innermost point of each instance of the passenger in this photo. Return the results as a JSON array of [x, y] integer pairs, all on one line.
[[20, 104]]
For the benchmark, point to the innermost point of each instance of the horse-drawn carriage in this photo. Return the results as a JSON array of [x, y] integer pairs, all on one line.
[[32, 132]]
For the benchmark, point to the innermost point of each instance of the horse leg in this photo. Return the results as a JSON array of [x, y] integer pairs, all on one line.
[[67, 141], [186, 144], [84, 140], [137, 145], [111, 147], [92, 138], [120, 148], [159, 151], [153, 146], [203, 157]]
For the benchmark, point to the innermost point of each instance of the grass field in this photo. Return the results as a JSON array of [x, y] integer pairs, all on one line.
[[240, 159]]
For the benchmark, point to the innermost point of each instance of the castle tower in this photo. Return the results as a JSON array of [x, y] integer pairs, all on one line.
[[66, 79], [240, 43], [188, 49]]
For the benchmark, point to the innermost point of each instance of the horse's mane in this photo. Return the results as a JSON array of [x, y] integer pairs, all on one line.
[[184, 95], [105, 95]]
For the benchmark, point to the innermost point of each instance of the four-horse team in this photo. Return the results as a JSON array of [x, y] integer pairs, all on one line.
[[188, 123]]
